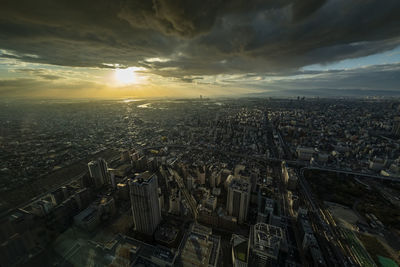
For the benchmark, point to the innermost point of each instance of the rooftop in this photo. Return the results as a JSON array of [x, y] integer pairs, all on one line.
[[239, 184], [240, 246], [144, 177], [148, 251], [266, 238], [86, 214]]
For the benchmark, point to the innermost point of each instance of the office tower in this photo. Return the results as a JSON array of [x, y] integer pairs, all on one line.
[[254, 177], [238, 198], [396, 127], [125, 155], [160, 199], [265, 205], [145, 203], [98, 172], [112, 175], [134, 156], [141, 163], [201, 174], [285, 173], [305, 153], [201, 247], [239, 169], [292, 181], [175, 201], [12, 251], [210, 202], [215, 179], [189, 182], [264, 244], [240, 250]]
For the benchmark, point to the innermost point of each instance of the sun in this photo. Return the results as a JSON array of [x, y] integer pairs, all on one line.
[[126, 76]]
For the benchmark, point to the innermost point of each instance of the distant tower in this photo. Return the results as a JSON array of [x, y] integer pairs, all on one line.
[[201, 97], [98, 172], [238, 198], [396, 127], [145, 203]]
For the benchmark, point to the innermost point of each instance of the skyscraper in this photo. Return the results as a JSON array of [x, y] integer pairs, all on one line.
[[240, 250], [265, 206], [201, 247], [98, 172], [144, 202], [264, 244], [396, 127], [238, 198]]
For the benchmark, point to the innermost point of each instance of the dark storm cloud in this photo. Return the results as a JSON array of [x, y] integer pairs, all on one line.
[[271, 41], [76, 33], [191, 18], [176, 17], [302, 9], [198, 37], [41, 73]]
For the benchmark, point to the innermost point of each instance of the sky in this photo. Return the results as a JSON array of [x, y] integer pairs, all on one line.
[[179, 48]]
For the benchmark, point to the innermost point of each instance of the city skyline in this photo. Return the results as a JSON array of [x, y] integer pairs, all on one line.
[[206, 182], [212, 133], [122, 49]]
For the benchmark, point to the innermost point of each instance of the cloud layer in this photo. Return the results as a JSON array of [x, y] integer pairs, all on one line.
[[190, 39]]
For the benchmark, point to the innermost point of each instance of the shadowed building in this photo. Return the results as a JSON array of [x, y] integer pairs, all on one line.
[[201, 247], [265, 243], [396, 127], [240, 250], [238, 198], [144, 202], [98, 172]]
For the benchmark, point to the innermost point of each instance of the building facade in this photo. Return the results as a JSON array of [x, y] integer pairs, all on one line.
[[98, 172], [238, 198], [145, 203], [264, 244]]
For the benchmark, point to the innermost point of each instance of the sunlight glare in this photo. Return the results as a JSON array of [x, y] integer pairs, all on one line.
[[126, 76]]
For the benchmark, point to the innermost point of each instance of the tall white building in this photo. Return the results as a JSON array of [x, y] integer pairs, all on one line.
[[98, 172], [238, 199], [145, 203]]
